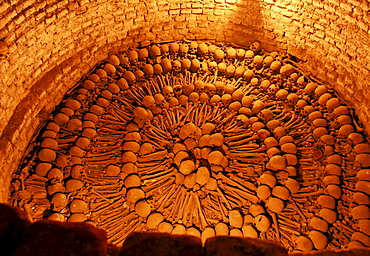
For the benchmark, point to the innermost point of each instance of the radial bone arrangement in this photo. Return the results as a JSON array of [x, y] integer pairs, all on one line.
[[193, 138]]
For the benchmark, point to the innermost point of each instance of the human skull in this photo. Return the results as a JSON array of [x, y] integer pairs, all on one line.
[[154, 51], [212, 48], [188, 88], [212, 66], [254, 82], [158, 70], [141, 116], [184, 49], [240, 54], [194, 97], [308, 109], [301, 104], [59, 201], [173, 102], [148, 70], [166, 65], [272, 90], [133, 56], [215, 99], [176, 66], [222, 67], [160, 100], [219, 55], [275, 67], [168, 92], [286, 70], [226, 99], [130, 77], [265, 84], [177, 89], [125, 62], [199, 86], [230, 71], [165, 49], [174, 48], [202, 49], [249, 55], [292, 99], [255, 46], [302, 81], [195, 65], [220, 87], [293, 78], [55, 175], [183, 99], [239, 71], [230, 54], [4, 50], [203, 67], [185, 64], [203, 97], [193, 47], [113, 59], [242, 120], [143, 54], [266, 115], [210, 89], [267, 61], [257, 63]]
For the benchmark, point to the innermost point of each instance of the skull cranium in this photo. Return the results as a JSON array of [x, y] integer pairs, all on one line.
[[210, 89], [177, 88], [255, 46], [168, 92], [199, 86]]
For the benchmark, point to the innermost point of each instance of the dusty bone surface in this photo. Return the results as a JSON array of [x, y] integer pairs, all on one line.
[[202, 142]]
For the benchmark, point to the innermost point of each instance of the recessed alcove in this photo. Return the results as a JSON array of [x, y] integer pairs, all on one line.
[[53, 45]]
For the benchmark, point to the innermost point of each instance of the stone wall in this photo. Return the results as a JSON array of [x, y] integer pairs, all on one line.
[[52, 44]]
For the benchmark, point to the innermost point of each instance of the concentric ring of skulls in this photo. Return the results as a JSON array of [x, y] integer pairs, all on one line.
[[193, 138]]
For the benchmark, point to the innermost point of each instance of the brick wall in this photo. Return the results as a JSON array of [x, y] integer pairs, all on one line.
[[52, 44]]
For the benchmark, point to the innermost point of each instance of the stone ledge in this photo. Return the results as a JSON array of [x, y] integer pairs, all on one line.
[[18, 237], [161, 244]]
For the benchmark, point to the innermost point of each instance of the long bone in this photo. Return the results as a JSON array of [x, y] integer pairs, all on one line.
[[105, 206], [234, 144], [181, 210], [156, 186], [136, 226], [233, 195], [117, 224], [162, 202], [220, 193], [160, 175], [203, 221], [178, 202], [240, 190], [160, 154], [189, 208]]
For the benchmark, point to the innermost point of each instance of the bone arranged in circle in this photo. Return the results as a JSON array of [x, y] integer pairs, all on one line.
[[196, 138]]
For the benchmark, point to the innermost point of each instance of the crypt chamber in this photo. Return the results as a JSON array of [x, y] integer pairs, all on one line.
[[244, 118]]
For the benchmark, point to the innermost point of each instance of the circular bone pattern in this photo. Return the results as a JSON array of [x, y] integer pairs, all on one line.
[[193, 138]]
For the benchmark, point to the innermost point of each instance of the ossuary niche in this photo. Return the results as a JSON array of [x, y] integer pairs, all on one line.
[[189, 137]]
